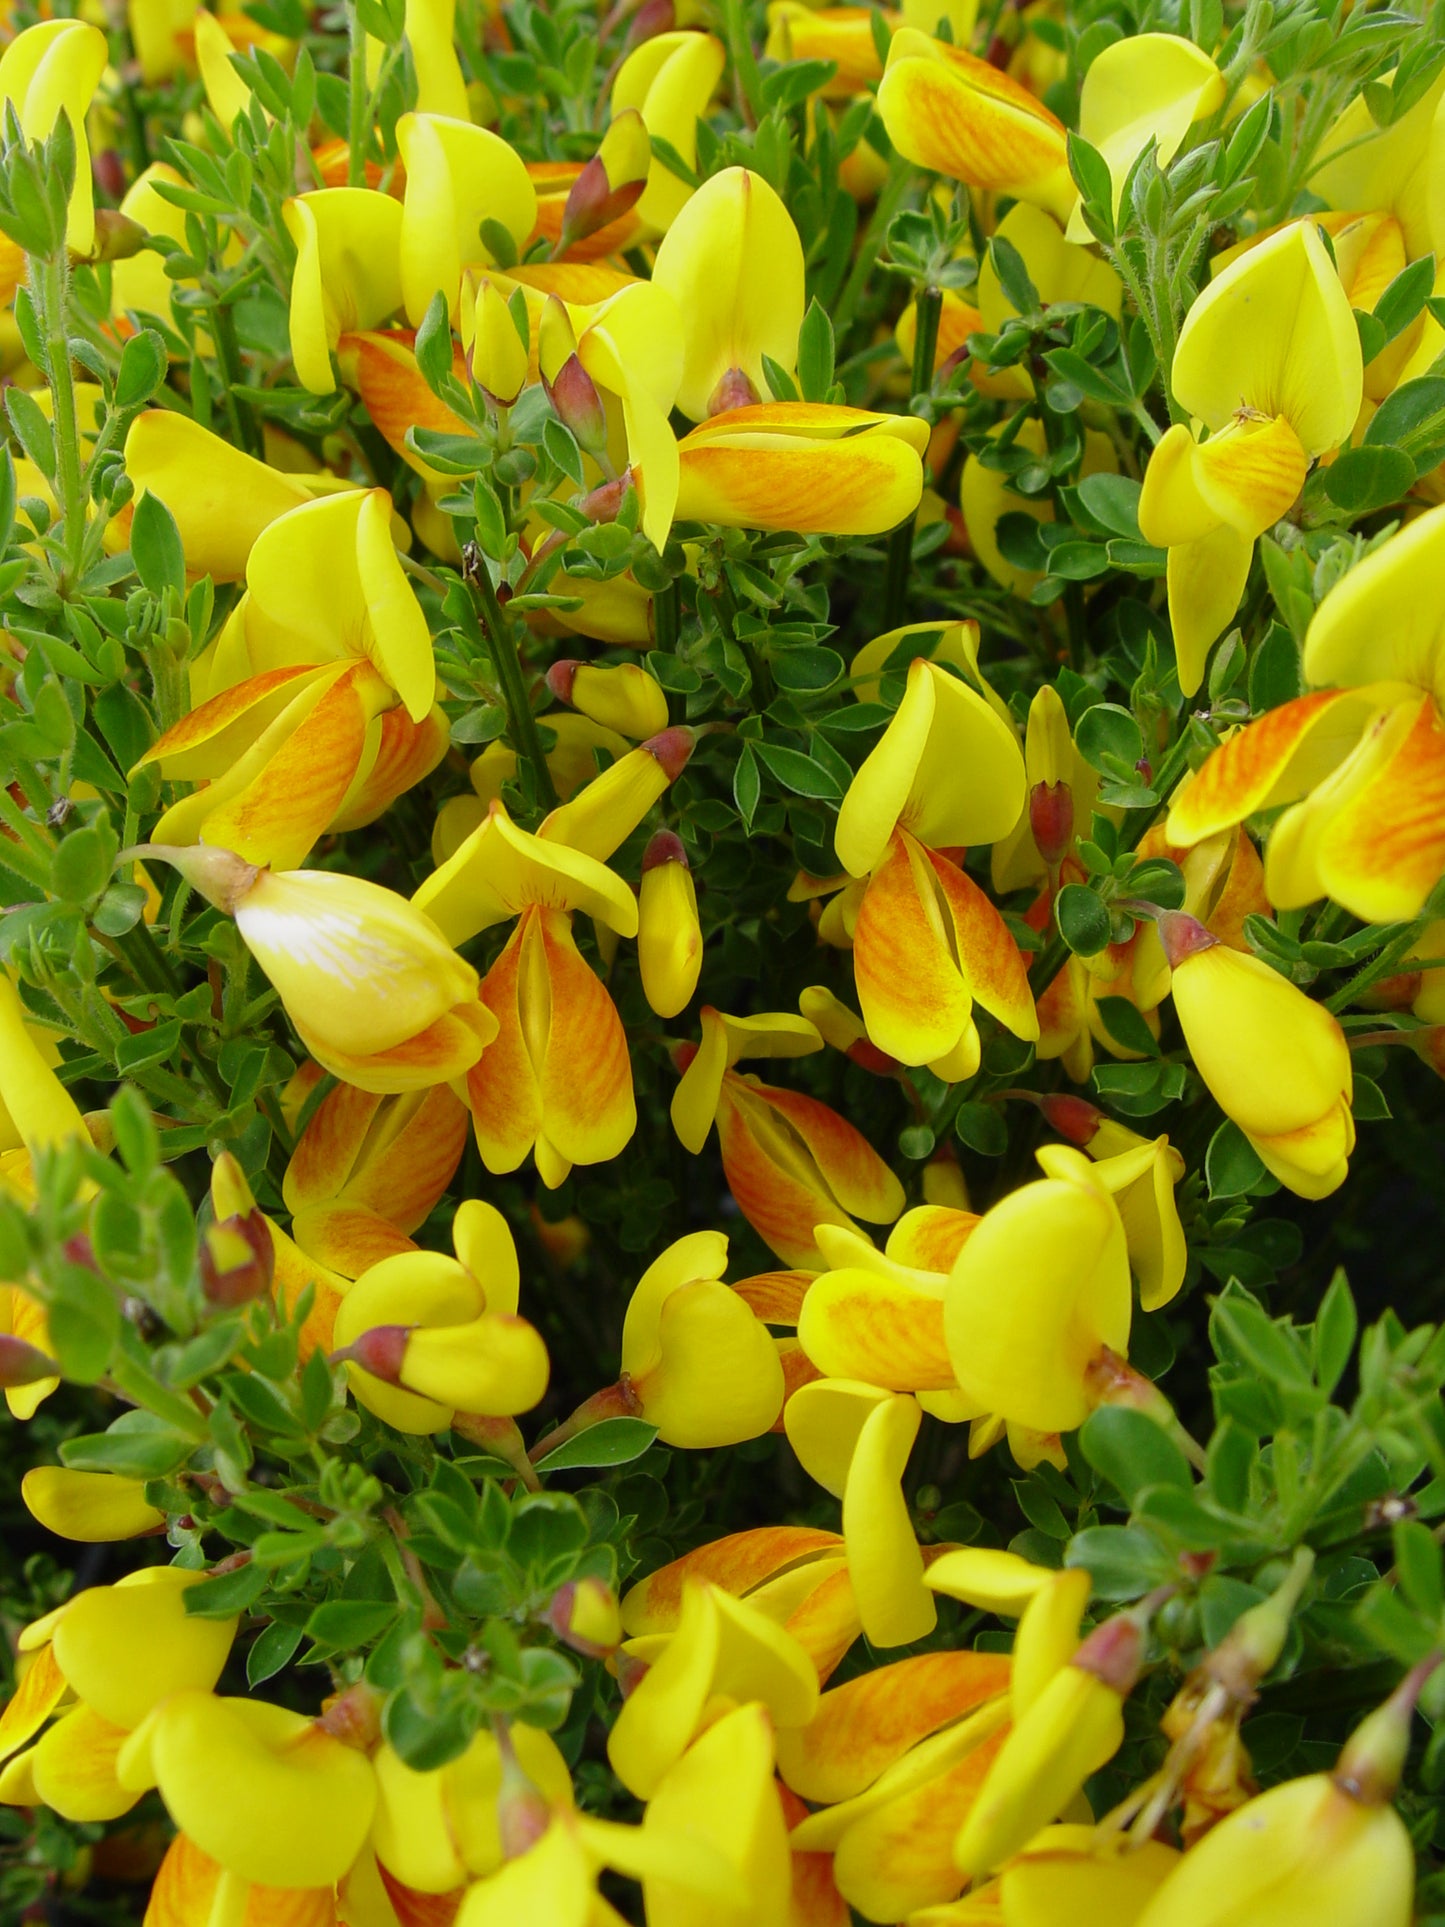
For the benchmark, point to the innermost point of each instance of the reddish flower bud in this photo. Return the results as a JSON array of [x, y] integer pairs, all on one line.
[[22, 1364], [1072, 1117], [237, 1260], [1183, 936], [735, 390], [584, 1616], [1051, 818], [671, 748]]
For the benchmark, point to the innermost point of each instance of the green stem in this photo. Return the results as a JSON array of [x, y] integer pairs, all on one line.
[[928, 312], [1382, 965], [50, 280], [29, 855], [666, 620], [507, 664], [871, 246], [244, 427], [356, 102]]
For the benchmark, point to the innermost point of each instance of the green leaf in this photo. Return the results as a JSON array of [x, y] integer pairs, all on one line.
[[815, 353], [1083, 919], [1275, 671], [1232, 1166], [231, 1593], [142, 369], [138, 1446], [1091, 176], [1124, 1561], [1405, 297], [799, 773], [155, 547], [1368, 478], [1418, 1564], [1132, 1452], [747, 786], [1412, 419], [274, 1649], [807, 669], [433, 349], [981, 1127], [612, 1441], [1109, 739], [81, 867], [1125, 1023], [1113, 501], [344, 1625], [1336, 1326], [1013, 274]]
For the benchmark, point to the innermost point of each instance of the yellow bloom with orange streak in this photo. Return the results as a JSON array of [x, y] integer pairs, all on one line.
[[733, 263], [898, 1756], [338, 644], [1269, 363], [855, 1440], [812, 467], [193, 1890], [670, 79], [274, 1798], [583, 747], [457, 177], [797, 1575], [927, 942], [425, 1336], [100, 1665], [791, 1162], [376, 992], [560, 1078], [48, 70], [368, 1170], [1028, 1354], [1275, 1061], [697, 1362], [947, 110], [723, 1651], [293, 1270], [1361, 765], [347, 276]]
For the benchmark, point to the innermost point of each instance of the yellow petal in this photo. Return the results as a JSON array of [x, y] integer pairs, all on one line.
[[1206, 580], [1147, 86], [884, 1559], [93, 1507], [126, 1647], [457, 176], [347, 274], [1381, 623]]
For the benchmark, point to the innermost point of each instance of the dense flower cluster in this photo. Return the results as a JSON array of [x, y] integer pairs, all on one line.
[[721, 727]]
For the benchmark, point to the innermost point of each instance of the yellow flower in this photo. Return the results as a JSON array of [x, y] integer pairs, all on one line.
[[619, 696], [347, 275], [1076, 1872], [669, 936], [807, 466], [1360, 765], [1363, 164], [733, 263], [1269, 362], [791, 1162], [120, 1651], [1275, 1061], [669, 78], [426, 1336], [93, 1507], [927, 942], [1144, 87], [1027, 1353], [457, 176], [338, 714], [52, 69]]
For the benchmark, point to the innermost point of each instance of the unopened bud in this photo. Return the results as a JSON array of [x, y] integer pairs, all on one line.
[[523, 1814], [1072, 1117], [669, 935], [612, 181], [651, 18], [22, 1364], [498, 358], [584, 1616], [380, 1350], [1429, 1047], [735, 390], [1114, 1653], [237, 1260], [1257, 1637], [1051, 818], [354, 1717], [578, 406], [621, 696]]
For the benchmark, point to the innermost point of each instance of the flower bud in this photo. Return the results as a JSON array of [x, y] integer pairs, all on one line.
[[499, 352], [1051, 818], [570, 389], [1072, 1117], [237, 1255], [669, 936], [523, 1812], [584, 1615], [117, 236], [621, 697], [612, 181]]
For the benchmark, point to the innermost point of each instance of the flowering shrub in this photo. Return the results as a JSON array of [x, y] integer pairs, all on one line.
[[722, 787]]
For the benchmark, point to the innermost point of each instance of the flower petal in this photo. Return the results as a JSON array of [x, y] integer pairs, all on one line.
[[1206, 579], [855, 1324], [884, 1559], [913, 997], [585, 1077], [1280, 756]]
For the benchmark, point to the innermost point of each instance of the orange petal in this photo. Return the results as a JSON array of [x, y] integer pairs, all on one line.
[[395, 1160], [775, 1296], [1383, 852], [864, 1726], [993, 965], [502, 1090], [861, 486], [286, 807], [1250, 473], [406, 753], [348, 1238], [858, 1324], [1273, 760], [930, 1236], [851, 1168], [914, 1000], [445, 1050], [413, 1909], [737, 1563], [588, 1111], [185, 1886], [947, 110], [827, 1622], [383, 368], [228, 723], [771, 1182], [294, 1271]]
